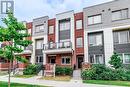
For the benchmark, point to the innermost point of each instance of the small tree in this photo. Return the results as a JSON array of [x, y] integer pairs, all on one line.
[[13, 36], [115, 61]]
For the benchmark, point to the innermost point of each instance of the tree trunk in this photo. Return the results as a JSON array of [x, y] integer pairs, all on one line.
[[10, 66]]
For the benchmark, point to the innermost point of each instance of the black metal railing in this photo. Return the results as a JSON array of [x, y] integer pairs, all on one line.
[[58, 45]]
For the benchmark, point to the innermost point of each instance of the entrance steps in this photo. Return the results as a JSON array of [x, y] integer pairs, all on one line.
[[76, 76]]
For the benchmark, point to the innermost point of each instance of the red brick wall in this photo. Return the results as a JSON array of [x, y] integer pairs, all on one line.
[[79, 33], [29, 26], [51, 37]]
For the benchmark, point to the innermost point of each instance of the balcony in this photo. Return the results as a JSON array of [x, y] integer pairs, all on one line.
[[53, 48]]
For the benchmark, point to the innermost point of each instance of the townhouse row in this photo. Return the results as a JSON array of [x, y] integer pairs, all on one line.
[[73, 38]]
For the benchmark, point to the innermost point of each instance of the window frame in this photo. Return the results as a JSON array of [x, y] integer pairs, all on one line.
[[65, 57], [79, 22], [121, 14], [93, 22], [81, 44], [95, 36], [94, 57], [38, 28], [51, 28]]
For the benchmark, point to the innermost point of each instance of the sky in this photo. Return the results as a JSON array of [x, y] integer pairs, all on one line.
[[27, 10]]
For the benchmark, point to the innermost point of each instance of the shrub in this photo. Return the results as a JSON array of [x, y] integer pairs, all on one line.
[[30, 70], [101, 72], [115, 61], [63, 70]]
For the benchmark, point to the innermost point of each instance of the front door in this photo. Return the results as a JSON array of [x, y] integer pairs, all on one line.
[[52, 60], [79, 61]]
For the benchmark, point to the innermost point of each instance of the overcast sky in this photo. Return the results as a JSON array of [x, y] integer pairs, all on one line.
[[29, 9]]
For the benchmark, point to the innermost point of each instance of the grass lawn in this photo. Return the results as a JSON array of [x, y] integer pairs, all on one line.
[[23, 76], [116, 83], [57, 78], [5, 84]]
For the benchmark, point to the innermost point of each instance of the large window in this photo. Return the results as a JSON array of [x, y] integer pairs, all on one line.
[[125, 57], [51, 29], [79, 24], [29, 31], [64, 31], [39, 59], [120, 14], [96, 59], [121, 37], [39, 28], [66, 60], [79, 42], [39, 44], [94, 19], [95, 39]]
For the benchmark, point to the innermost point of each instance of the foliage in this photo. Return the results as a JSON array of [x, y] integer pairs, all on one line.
[[30, 70], [101, 72], [13, 36], [115, 61], [63, 70]]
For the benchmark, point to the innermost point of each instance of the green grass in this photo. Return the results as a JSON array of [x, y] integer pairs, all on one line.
[[23, 76], [5, 84], [116, 83]]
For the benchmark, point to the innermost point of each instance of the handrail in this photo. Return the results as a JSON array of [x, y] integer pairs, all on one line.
[[57, 45]]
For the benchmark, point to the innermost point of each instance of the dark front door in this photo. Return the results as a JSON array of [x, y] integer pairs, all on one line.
[[80, 60], [52, 60]]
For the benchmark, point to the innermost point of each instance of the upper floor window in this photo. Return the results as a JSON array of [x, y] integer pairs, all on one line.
[[51, 29], [79, 42], [120, 14], [94, 19], [29, 31], [65, 25], [39, 44], [79, 24], [39, 28], [95, 39], [121, 37]]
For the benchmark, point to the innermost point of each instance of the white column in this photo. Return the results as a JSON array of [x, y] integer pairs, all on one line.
[[85, 46], [44, 58], [33, 52], [108, 44]]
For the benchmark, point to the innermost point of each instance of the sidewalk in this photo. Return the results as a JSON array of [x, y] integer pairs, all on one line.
[[35, 81]]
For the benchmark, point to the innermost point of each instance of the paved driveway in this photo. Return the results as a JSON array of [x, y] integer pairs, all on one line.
[[35, 81]]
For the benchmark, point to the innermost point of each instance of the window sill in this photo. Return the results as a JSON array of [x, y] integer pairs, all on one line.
[[66, 64], [122, 43], [120, 19], [94, 24]]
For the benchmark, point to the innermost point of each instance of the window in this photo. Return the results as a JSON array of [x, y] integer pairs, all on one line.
[[51, 29], [64, 31], [79, 24], [96, 59], [94, 19], [29, 31], [39, 28], [120, 14], [79, 42], [95, 39], [126, 58], [121, 37], [66, 60], [39, 59], [39, 44]]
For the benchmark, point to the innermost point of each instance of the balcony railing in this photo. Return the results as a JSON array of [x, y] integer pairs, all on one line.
[[59, 45]]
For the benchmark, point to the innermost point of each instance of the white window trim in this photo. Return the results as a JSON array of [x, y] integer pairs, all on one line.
[[95, 58], [52, 31], [93, 23], [81, 26], [65, 57], [81, 44]]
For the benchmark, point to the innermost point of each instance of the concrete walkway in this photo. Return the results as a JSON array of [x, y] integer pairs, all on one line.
[[36, 81]]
